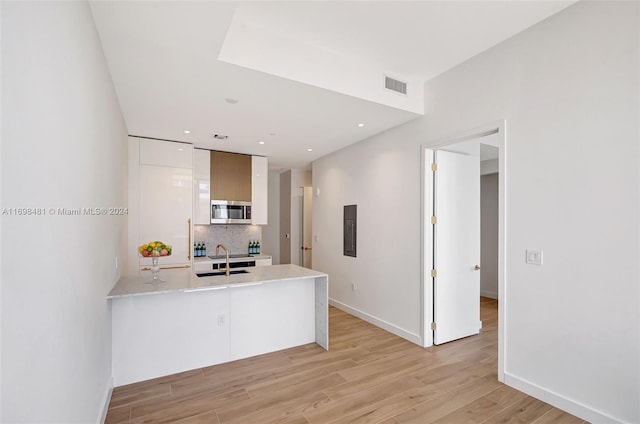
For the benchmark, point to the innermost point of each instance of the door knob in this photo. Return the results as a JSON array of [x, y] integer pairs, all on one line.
[[477, 267]]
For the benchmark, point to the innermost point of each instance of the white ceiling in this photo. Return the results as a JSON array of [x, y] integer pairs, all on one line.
[[309, 70]]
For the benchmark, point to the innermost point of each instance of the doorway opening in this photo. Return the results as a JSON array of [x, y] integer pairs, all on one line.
[[455, 273], [306, 207]]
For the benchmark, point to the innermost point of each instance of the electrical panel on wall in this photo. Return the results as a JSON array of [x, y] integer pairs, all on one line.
[[350, 220]]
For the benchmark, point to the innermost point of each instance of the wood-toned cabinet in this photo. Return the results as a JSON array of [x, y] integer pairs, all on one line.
[[230, 176]]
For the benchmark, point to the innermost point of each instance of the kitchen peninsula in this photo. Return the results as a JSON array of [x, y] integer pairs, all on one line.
[[190, 322]]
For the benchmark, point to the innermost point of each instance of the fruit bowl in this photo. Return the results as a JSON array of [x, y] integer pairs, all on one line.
[[155, 250]]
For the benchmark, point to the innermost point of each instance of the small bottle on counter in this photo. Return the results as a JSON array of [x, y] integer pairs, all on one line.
[[257, 252], [204, 249]]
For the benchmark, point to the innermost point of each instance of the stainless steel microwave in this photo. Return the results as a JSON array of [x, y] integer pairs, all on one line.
[[230, 212]]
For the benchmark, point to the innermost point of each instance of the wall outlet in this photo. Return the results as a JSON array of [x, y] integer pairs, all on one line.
[[221, 320], [534, 257]]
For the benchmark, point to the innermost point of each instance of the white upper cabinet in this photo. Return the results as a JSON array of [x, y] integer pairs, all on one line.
[[160, 199], [166, 153], [201, 187], [259, 190], [165, 211]]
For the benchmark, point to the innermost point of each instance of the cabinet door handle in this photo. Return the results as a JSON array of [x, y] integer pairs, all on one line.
[[167, 267], [189, 236]]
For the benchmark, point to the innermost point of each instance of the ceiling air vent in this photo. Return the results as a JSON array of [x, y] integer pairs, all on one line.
[[395, 85]]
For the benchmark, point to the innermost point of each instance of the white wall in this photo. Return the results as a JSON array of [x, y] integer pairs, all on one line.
[[382, 177], [568, 89], [63, 146]]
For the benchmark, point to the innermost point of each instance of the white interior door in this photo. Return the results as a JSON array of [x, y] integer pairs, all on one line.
[[307, 196], [456, 246]]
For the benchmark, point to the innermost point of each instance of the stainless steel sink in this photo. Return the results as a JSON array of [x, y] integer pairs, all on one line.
[[214, 273]]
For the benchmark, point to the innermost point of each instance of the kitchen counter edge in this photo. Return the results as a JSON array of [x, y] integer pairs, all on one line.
[[185, 280]]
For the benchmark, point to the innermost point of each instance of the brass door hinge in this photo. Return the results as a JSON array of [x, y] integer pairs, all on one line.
[[434, 167], [433, 326], [434, 273], [434, 220]]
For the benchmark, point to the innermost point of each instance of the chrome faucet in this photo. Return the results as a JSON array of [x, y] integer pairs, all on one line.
[[227, 269]]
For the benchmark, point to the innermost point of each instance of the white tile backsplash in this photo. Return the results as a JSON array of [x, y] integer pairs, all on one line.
[[235, 237]]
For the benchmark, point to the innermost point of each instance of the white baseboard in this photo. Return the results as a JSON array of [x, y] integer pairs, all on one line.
[[106, 399], [414, 338], [576, 408], [489, 294]]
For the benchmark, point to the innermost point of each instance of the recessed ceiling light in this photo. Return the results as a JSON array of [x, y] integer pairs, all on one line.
[[260, 142], [309, 150], [361, 125], [187, 132], [272, 134], [231, 101]]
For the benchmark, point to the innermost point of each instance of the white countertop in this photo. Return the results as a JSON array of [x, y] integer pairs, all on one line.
[[185, 280]]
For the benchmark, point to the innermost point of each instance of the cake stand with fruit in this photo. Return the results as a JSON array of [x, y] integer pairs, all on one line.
[[154, 250]]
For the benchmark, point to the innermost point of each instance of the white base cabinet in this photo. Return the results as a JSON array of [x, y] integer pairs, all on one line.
[[264, 261], [165, 333], [269, 317], [168, 333]]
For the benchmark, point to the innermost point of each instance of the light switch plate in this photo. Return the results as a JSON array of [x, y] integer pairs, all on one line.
[[534, 257]]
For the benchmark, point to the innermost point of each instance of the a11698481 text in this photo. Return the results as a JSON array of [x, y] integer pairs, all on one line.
[[91, 211]]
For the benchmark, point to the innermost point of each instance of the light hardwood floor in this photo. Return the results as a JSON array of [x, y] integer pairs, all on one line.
[[368, 376]]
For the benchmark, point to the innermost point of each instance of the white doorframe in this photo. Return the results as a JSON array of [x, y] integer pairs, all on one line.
[[426, 230]]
